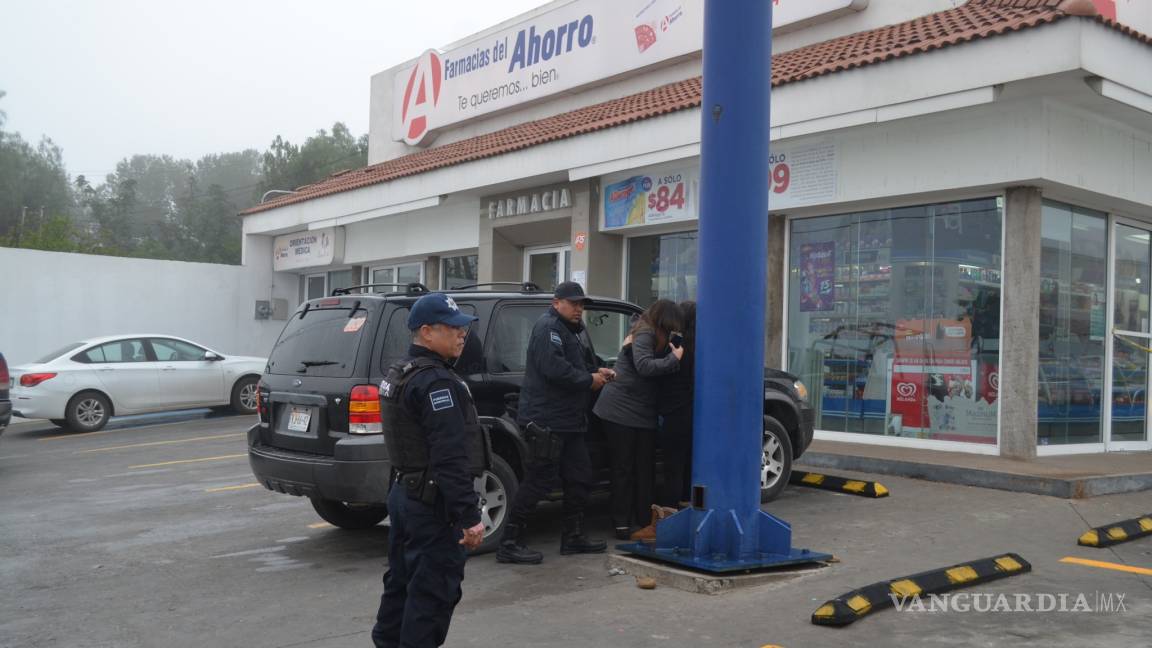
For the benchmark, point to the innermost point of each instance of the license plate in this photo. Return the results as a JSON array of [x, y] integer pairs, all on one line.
[[299, 418]]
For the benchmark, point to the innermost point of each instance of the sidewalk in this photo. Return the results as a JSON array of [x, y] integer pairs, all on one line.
[[1069, 476]]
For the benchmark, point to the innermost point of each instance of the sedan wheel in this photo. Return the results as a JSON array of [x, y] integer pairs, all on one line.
[[87, 412], [244, 395]]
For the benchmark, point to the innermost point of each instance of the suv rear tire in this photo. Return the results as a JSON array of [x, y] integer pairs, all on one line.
[[87, 412], [355, 517], [497, 489], [775, 461]]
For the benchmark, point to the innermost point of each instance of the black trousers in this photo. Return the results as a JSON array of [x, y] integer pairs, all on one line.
[[676, 443], [572, 471], [422, 584], [633, 454]]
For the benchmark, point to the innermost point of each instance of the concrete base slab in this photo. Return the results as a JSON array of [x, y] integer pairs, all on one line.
[[667, 575]]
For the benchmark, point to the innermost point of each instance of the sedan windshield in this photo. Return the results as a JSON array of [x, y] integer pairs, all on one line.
[[59, 352]]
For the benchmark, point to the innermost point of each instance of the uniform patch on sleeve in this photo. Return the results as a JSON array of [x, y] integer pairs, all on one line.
[[441, 400], [556, 338]]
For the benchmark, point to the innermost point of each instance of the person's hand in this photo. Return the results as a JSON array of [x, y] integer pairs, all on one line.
[[627, 340], [678, 351], [598, 381], [473, 536], [609, 374]]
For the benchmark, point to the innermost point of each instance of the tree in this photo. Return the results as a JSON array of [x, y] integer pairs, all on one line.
[[289, 167]]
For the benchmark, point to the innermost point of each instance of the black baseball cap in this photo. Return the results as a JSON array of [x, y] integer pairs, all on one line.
[[571, 291], [437, 308]]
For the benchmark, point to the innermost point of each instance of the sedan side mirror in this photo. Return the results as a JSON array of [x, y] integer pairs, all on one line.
[[212, 357]]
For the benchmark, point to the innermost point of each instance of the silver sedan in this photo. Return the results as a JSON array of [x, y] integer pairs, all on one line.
[[82, 385]]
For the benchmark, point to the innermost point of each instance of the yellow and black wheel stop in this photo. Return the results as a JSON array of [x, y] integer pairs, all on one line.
[[847, 608], [1113, 534], [838, 484]]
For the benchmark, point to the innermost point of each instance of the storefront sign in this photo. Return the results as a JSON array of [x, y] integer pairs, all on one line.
[[802, 175], [308, 249], [571, 46], [793, 14], [817, 277], [650, 199], [534, 201]]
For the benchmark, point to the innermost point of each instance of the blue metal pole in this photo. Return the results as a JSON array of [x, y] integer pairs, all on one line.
[[725, 529]]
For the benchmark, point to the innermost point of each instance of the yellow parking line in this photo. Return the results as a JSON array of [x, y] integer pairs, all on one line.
[[319, 525], [186, 461], [156, 443], [230, 488], [1107, 565]]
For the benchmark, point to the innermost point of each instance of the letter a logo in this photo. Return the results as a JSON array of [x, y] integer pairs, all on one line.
[[420, 97]]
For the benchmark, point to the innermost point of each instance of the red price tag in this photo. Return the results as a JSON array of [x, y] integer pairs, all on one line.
[[781, 178], [667, 196]]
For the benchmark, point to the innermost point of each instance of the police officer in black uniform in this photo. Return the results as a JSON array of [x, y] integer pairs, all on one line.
[[558, 384], [437, 448]]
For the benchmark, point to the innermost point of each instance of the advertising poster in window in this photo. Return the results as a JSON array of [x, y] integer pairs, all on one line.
[[802, 175], [817, 277], [649, 199], [935, 388]]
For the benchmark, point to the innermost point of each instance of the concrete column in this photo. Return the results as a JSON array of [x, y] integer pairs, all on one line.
[[432, 273], [498, 259], [777, 276], [602, 257], [1019, 323]]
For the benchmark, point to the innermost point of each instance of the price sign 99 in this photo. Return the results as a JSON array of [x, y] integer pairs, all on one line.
[[781, 176], [669, 192]]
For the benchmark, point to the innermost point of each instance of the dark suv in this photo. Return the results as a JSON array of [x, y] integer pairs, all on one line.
[[318, 435]]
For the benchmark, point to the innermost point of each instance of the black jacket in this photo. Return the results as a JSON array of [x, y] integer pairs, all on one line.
[[437, 399], [558, 380], [630, 400]]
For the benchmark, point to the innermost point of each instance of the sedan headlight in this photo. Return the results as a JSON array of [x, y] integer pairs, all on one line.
[[801, 390]]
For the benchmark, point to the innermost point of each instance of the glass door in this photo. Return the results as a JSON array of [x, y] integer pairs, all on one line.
[[1131, 336], [547, 267]]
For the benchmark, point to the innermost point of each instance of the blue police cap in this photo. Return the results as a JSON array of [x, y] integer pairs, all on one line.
[[437, 308]]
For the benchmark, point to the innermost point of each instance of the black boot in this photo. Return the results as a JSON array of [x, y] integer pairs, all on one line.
[[573, 540], [512, 549]]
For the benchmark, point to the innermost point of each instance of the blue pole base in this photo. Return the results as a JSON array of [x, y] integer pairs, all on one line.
[[720, 541]]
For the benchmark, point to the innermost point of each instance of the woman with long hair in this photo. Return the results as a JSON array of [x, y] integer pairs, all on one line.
[[628, 408], [674, 405]]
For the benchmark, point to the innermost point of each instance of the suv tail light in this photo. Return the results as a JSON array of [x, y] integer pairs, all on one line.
[[261, 402], [4, 377], [33, 379], [364, 410]]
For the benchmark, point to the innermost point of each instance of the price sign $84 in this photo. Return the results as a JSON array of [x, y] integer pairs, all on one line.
[[669, 193]]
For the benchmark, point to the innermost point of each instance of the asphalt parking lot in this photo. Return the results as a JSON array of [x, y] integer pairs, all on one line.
[[156, 535]]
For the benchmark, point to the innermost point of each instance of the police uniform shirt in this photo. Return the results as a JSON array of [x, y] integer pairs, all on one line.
[[436, 399]]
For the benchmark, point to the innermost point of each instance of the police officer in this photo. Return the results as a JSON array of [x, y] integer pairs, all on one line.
[[437, 448], [558, 384]]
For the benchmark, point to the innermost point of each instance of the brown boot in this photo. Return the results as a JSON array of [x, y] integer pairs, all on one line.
[[648, 533]]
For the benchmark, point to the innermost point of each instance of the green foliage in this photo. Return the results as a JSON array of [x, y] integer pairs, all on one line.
[[155, 206], [288, 167]]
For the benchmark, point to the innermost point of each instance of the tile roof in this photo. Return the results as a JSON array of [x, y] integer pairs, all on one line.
[[975, 20]]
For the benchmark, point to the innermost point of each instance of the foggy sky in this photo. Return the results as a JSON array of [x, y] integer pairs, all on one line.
[[106, 79]]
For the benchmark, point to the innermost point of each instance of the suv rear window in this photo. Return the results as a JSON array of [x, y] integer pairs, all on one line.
[[322, 343]]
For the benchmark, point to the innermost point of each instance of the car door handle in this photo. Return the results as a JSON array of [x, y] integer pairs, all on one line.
[[107, 369], [169, 368]]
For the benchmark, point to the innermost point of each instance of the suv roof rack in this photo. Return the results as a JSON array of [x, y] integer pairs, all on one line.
[[413, 288], [525, 286]]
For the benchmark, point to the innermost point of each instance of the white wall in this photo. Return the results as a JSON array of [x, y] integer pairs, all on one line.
[[52, 298]]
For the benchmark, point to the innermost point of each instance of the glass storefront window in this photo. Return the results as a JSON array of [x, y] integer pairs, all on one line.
[[894, 319], [458, 271], [662, 267], [1073, 321]]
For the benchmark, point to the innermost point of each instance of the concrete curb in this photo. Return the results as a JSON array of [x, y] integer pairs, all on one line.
[[1069, 488]]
